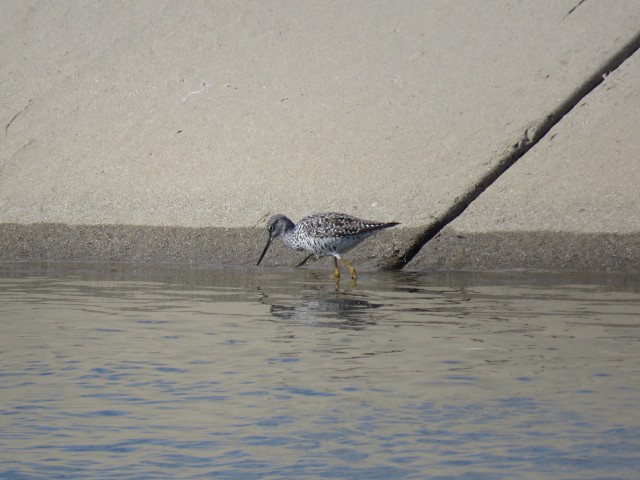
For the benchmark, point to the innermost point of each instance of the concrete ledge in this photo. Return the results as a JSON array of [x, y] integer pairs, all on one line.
[[122, 243], [568, 251], [224, 247], [240, 247]]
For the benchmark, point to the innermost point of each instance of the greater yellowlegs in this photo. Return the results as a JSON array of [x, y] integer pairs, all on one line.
[[323, 234]]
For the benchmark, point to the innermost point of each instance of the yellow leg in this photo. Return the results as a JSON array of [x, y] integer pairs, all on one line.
[[348, 265], [337, 271]]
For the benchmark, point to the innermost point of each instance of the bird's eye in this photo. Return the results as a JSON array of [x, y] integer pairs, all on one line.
[[270, 228]]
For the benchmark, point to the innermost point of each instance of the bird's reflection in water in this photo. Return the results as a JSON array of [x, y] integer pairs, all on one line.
[[328, 310]]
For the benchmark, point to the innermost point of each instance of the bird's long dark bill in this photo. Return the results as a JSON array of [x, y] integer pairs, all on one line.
[[266, 247]]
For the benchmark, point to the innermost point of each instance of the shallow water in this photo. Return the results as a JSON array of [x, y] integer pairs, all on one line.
[[167, 372]]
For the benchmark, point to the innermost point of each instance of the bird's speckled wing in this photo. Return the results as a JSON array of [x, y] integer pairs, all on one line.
[[331, 224]]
